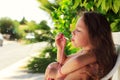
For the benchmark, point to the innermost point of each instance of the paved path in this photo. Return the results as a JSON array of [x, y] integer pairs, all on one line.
[[14, 56], [16, 72], [11, 52]]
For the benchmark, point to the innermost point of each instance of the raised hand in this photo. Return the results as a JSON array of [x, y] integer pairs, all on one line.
[[60, 41]]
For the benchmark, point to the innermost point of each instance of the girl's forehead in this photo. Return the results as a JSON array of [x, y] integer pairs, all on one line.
[[79, 19], [80, 23]]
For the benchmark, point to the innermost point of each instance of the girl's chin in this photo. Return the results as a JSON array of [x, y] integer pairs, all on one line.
[[73, 44]]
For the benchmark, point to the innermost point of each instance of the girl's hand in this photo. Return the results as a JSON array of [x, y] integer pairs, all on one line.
[[60, 41]]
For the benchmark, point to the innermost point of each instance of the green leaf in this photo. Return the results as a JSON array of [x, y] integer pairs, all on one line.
[[98, 2], [115, 25], [76, 4], [116, 5], [89, 5], [103, 5], [110, 3]]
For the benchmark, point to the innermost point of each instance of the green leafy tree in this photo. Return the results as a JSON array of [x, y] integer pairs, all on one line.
[[16, 32], [110, 8], [44, 33], [8, 26], [23, 21], [48, 6], [32, 26]]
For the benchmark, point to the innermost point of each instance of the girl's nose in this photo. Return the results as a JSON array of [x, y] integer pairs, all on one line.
[[73, 32]]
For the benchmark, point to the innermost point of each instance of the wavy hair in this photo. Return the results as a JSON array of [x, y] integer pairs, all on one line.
[[101, 39]]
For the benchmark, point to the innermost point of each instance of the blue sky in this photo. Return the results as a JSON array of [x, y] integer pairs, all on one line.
[[17, 9]]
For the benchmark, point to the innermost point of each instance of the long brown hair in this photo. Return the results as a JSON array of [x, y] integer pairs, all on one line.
[[101, 39]]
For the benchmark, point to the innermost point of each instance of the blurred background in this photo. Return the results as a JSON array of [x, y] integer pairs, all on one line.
[[28, 29]]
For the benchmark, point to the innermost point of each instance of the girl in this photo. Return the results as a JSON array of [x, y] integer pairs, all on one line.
[[97, 56]]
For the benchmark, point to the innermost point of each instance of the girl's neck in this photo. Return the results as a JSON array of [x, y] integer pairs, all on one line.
[[87, 48]]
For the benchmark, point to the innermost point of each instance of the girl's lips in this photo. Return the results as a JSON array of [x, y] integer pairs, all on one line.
[[72, 39]]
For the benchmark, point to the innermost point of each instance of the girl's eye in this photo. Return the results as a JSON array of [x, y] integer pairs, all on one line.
[[78, 30]]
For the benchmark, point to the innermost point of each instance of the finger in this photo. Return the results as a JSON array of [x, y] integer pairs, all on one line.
[[59, 36], [64, 39]]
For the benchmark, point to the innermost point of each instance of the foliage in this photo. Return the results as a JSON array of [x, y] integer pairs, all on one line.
[[49, 52], [115, 25], [37, 64], [48, 55], [8, 26], [43, 25], [17, 35], [68, 10], [47, 6], [110, 8], [23, 21], [28, 27], [32, 26], [21, 30], [44, 33]]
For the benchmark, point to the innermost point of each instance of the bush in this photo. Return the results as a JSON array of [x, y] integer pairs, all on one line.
[[37, 64], [9, 27]]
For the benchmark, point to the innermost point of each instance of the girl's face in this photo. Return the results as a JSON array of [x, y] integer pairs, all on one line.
[[80, 37]]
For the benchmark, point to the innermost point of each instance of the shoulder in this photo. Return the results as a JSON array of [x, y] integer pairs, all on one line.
[[86, 58]]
